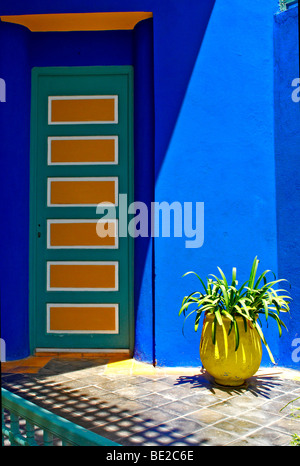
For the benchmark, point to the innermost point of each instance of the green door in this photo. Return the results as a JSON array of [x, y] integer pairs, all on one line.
[[81, 282]]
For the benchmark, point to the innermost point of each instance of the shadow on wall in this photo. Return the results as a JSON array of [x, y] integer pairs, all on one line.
[[178, 33], [287, 143]]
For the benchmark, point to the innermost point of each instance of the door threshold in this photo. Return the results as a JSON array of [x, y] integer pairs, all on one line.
[[83, 352]]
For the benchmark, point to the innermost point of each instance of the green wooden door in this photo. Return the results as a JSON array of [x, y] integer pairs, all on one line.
[[81, 284]]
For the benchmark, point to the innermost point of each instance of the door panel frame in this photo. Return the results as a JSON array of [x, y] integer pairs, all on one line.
[[33, 227]]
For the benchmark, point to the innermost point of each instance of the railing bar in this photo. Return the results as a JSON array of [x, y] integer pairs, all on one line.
[[18, 440], [14, 428], [29, 429], [65, 443], [48, 439], [3, 426], [5, 434], [61, 428], [284, 4]]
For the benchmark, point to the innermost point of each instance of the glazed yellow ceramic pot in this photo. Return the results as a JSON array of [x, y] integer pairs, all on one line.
[[227, 366]]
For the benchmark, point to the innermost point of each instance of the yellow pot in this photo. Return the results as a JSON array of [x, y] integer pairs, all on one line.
[[227, 366]]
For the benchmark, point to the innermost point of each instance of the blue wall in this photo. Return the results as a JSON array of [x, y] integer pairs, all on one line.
[[221, 153], [14, 185], [66, 49], [287, 150], [144, 187], [23, 51], [178, 33]]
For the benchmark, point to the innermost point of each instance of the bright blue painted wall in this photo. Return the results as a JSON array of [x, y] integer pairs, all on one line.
[[221, 153], [287, 151]]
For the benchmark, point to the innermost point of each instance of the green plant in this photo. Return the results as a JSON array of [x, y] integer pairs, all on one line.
[[296, 440], [224, 299]]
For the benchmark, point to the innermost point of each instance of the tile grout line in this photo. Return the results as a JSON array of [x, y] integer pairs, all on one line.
[[261, 426], [178, 416]]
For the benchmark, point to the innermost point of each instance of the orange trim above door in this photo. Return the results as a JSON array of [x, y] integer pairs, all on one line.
[[79, 21]]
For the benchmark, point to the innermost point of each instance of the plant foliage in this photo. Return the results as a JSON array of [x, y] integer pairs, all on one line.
[[295, 442], [224, 298]]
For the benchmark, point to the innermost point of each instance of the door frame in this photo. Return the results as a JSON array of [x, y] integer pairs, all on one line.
[[33, 228]]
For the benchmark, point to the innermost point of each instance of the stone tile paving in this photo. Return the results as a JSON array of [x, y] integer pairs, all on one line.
[[164, 409]]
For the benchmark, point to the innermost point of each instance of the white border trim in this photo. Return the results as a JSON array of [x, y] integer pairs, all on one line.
[[52, 220], [82, 97], [115, 263], [80, 138], [108, 332], [100, 178]]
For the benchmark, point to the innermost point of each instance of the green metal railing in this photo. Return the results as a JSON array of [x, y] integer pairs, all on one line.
[[22, 420], [285, 4]]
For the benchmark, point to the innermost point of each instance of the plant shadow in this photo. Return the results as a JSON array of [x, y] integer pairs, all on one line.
[[258, 385]]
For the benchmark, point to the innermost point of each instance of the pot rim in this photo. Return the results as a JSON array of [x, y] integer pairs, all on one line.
[[211, 316]]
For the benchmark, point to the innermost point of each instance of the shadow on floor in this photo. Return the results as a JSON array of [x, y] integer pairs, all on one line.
[[99, 404], [162, 409], [260, 385]]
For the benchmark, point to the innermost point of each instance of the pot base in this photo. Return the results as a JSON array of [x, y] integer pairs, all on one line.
[[229, 383]]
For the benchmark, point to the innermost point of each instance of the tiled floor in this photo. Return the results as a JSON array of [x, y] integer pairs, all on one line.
[[136, 404]]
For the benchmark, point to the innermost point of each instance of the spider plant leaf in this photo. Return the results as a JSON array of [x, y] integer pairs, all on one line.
[[208, 307], [225, 294], [197, 320], [233, 276], [265, 304], [262, 276], [253, 272], [237, 334], [242, 291], [244, 316], [192, 312], [185, 306], [186, 298], [264, 341], [214, 330], [230, 327], [259, 331], [244, 306], [218, 282], [269, 285], [219, 317], [270, 353], [280, 323], [223, 276], [201, 281], [256, 325], [226, 314], [245, 322]]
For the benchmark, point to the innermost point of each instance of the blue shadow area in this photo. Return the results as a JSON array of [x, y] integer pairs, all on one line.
[[287, 149], [14, 185], [170, 45]]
